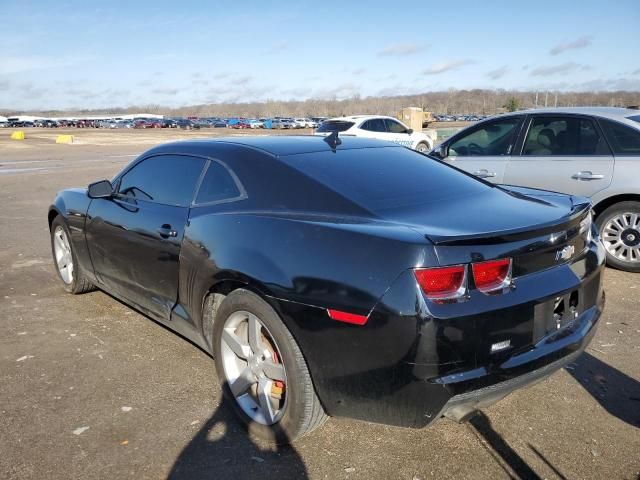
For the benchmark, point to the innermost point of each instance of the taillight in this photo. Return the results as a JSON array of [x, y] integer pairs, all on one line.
[[444, 283], [492, 276]]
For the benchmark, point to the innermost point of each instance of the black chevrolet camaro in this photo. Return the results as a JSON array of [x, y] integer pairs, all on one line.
[[358, 279]]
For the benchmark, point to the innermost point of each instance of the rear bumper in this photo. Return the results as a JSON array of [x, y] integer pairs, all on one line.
[[480, 388], [414, 362]]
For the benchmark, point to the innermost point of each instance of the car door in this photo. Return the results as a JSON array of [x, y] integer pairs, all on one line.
[[134, 238], [562, 153], [398, 133], [484, 150]]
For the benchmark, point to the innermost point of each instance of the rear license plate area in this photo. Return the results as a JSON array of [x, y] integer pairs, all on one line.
[[556, 313]]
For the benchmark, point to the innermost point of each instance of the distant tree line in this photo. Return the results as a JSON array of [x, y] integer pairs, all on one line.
[[485, 102]]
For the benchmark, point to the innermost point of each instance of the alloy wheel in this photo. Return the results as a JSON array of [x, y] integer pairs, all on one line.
[[64, 258], [621, 237], [253, 368]]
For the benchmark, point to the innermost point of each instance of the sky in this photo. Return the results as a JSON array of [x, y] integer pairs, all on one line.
[[85, 54]]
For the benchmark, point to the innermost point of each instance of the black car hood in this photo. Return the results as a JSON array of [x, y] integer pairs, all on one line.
[[498, 212]]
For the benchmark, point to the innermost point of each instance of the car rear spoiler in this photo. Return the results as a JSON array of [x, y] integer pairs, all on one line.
[[581, 207]]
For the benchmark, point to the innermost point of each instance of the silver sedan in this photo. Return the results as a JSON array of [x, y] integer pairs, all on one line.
[[588, 151]]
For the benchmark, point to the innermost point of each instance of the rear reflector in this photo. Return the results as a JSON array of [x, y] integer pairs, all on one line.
[[347, 317], [445, 283], [493, 275]]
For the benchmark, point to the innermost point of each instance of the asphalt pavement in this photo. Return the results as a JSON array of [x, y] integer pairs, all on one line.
[[89, 388]]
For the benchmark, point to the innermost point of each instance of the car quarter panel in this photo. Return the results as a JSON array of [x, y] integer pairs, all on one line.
[[307, 259], [625, 179]]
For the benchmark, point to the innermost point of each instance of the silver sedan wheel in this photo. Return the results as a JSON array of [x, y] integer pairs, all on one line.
[[253, 368], [621, 237], [422, 148], [62, 250]]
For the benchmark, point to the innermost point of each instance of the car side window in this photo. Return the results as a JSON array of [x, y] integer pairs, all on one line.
[[624, 140], [491, 138], [550, 136], [166, 179], [394, 127], [218, 184], [374, 125]]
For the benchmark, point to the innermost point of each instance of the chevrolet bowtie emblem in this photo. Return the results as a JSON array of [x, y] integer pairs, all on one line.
[[566, 253]]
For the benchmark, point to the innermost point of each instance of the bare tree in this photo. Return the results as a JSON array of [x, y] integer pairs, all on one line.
[[451, 101]]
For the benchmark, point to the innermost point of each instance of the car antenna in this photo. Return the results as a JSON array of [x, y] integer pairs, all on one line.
[[333, 140]]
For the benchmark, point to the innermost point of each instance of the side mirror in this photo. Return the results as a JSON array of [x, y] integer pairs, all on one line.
[[441, 151], [101, 189], [409, 131]]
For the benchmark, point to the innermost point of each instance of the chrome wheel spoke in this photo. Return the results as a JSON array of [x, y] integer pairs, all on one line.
[[243, 382], [255, 334], [65, 241], [265, 400], [235, 343], [274, 371], [59, 242]]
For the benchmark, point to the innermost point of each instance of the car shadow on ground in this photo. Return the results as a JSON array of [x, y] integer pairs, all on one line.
[[505, 456], [223, 449], [616, 392]]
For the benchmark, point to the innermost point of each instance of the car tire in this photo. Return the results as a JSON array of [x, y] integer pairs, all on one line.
[[615, 228], [422, 147], [299, 410], [73, 278]]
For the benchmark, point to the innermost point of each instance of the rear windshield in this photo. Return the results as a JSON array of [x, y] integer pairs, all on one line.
[[383, 179], [635, 118], [337, 126]]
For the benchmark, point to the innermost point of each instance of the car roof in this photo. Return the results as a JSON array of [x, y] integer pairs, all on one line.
[[356, 118], [277, 145], [613, 113]]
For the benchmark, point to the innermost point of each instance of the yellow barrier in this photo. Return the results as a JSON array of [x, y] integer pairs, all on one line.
[[64, 139], [17, 136]]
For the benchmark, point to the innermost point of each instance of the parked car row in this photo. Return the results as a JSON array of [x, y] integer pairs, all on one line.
[[171, 122], [459, 118]]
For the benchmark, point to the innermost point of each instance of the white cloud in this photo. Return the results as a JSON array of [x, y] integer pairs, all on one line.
[[24, 63], [446, 66], [278, 47], [402, 49], [165, 91], [498, 73], [581, 42], [567, 67], [341, 91]]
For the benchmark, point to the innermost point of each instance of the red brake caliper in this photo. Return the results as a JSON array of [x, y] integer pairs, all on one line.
[[277, 387]]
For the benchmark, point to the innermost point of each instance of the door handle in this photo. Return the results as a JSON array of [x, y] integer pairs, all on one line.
[[484, 173], [166, 231], [587, 175]]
